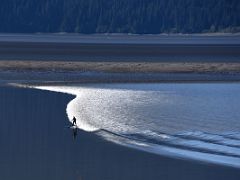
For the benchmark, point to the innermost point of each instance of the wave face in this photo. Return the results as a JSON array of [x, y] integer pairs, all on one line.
[[197, 121]]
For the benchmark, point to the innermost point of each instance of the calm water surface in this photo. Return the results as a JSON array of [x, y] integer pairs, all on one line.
[[120, 47]]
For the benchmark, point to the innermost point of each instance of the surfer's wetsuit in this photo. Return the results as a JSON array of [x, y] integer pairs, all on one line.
[[74, 121]]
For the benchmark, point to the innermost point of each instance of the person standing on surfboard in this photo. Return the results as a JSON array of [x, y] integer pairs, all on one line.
[[74, 121]]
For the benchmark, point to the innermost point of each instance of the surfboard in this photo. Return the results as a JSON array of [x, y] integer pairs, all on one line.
[[73, 127]]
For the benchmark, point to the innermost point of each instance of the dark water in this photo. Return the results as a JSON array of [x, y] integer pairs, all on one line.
[[137, 48], [35, 144]]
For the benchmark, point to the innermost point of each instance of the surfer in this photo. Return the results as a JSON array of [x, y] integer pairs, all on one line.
[[74, 121]]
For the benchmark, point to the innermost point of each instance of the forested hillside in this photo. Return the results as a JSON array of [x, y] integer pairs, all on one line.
[[120, 16]]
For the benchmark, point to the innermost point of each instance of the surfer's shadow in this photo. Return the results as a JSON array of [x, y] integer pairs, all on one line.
[[74, 130], [74, 133]]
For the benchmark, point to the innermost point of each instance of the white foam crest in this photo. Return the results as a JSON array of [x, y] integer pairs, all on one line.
[[62, 89], [104, 108]]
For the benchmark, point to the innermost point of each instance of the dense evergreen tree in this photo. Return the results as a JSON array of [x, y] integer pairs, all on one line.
[[120, 16]]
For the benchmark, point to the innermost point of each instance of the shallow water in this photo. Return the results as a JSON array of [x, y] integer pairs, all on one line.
[[196, 121]]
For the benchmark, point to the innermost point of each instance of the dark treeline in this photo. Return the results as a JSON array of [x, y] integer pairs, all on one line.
[[120, 16]]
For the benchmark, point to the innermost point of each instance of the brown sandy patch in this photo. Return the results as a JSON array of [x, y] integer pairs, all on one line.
[[121, 67]]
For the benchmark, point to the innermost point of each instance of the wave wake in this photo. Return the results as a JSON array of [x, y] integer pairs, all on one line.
[[142, 117]]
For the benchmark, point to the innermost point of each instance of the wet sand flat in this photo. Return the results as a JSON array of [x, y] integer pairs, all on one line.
[[97, 72]]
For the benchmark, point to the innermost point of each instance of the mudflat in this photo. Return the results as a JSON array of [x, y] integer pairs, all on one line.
[[120, 67]]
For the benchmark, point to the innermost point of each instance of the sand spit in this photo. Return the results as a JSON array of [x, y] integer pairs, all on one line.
[[120, 67]]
